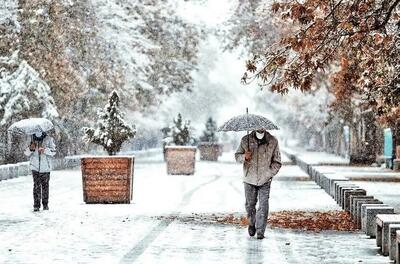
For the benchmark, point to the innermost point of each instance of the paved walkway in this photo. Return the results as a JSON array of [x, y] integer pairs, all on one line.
[[73, 232]]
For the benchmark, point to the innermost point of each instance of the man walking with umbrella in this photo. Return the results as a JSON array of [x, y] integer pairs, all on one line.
[[259, 153]]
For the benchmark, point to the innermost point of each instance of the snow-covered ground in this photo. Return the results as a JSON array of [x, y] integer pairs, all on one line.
[[73, 232], [387, 192], [317, 158], [362, 172]]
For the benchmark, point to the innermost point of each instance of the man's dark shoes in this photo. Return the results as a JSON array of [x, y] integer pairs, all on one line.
[[36, 209], [260, 236], [45, 207], [252, 230]]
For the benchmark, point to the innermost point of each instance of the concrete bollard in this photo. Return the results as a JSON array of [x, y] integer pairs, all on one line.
[[351, 193], [353, 203], [358, 208], [23, 169], [397, 247], [362, 214], [341, 194], [8, 172], [2, 173], [332, 181], [338, 187], [322, 180], [13, 171], [57, 164], [326, 180], [368, 219], [313, 172], [318, 176], [393, 228], [382, 230]]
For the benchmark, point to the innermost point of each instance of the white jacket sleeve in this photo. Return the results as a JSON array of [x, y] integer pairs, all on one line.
[[50, 149], [28, 152]]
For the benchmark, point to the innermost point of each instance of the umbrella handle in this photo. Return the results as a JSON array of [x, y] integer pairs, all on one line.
[[248, 139]]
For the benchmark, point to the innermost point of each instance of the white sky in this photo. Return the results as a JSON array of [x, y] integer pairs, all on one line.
[[211, 12], [217, 91]]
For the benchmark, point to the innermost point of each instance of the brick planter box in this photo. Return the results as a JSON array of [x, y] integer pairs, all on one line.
[[107, 179], [209, 151], [180, 160]]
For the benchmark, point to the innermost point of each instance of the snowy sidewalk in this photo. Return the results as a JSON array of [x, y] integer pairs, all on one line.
[[73, 232], [380, 182]]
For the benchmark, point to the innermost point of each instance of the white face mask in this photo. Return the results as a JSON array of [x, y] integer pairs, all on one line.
[[260, 135]]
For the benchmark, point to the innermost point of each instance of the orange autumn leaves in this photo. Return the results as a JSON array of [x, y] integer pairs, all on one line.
[[352, 42], [310, 221], [299, 220]]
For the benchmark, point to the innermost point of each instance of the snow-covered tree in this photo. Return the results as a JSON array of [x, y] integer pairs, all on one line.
[[251, 26], [112, 131], [85, 49], [24, 94], [179, 133], [209, 134], [143, 36]]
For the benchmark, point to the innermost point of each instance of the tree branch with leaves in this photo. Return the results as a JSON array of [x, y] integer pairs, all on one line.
[[350, 40]]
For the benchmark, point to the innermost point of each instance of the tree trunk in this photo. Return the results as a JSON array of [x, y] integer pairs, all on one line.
[[363, 140], [396, 141]]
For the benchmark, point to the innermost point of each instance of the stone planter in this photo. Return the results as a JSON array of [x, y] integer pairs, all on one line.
[[180, 160], [107, 179], [209, 151]]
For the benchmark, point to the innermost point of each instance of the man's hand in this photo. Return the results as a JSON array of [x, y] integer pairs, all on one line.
[[247, 155], [32, 147], [41, 150]]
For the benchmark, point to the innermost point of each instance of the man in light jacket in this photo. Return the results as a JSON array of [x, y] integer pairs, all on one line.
[[40, 153], [259, 153]]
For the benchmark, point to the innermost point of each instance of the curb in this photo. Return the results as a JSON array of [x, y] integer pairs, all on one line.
[[11, 171]]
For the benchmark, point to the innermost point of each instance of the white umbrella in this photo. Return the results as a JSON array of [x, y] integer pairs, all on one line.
[[30, 126]]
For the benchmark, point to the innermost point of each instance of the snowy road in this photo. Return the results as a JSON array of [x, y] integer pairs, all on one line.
[[73, 232]]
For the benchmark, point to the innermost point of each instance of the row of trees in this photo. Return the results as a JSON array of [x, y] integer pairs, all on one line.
[[61, 59], [351, 48], [179, 133]]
